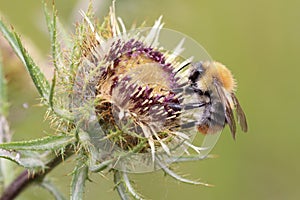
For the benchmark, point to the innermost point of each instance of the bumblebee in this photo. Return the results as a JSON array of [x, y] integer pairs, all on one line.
[[215, 87]]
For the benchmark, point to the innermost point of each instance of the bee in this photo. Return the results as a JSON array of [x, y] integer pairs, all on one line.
[[215, 87]]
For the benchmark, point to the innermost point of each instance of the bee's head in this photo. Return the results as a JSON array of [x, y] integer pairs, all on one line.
[[197, 72]]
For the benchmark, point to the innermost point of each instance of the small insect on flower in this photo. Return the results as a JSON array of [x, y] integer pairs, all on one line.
[[215, 85]]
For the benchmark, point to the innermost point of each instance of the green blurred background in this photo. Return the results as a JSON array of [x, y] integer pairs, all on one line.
[[258, 40]]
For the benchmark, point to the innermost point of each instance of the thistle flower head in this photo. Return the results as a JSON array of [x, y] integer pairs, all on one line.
[[132, 96]]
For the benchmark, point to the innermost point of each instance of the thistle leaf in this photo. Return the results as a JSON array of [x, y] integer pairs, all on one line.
[[34, 71], [189, 158], [169, 172], [119, 185], [52, 189], [11, 39], [23, 159], [46, 143], [100, 167], [80, 175], [51, 24], [123, 186], [51, 95]]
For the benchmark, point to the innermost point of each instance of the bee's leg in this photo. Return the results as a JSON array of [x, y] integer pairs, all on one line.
[[178, 90], [188, 106], [174, 106], [188, 125], [188, 90]]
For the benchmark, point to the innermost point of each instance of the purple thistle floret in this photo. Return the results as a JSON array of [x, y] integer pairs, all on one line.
[[144, 101]]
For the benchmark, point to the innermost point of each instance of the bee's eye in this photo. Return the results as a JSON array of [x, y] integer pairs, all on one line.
[[194, 76], [197, 72]]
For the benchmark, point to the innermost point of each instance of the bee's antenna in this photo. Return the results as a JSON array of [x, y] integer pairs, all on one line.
[[181, 68]]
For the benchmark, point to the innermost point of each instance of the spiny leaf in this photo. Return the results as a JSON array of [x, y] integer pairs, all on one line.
[[121, 188], [46, 143], [189, 158], [30, 162], [51, 95], [124, 187], [51, 24], [34, 71], [11, 39], [80, 175], [52, 189], [100, 167], [168, 171], [57, 57], [37, 76]]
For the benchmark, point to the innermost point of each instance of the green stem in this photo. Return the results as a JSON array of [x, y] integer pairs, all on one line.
[[26, 178]]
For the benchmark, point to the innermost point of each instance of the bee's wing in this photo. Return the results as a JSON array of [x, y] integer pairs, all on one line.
[[229, 116], [240, 114]]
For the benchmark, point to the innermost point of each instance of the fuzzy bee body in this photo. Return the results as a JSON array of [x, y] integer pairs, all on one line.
[[215, 85]]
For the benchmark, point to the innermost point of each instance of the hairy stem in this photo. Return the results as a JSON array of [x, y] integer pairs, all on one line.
[[26, 178]]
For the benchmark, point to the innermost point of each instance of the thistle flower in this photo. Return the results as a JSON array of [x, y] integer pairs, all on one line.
[[130, 96], [130, 101]]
